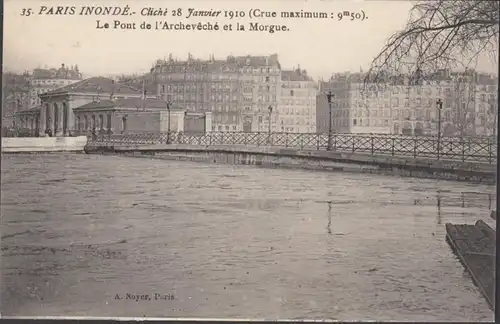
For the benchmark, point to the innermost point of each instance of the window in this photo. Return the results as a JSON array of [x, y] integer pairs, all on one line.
[[354, 122], [291, 93], [267, 79]]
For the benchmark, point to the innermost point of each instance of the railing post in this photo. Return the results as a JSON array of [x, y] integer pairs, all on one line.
[[438, 147], [318, 136], [353, 143], [286, 139], [335, 142], [371, 140], [393, 144], [301, 141], [221, 138]]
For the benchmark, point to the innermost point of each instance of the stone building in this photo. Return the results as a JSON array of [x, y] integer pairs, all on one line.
[[260, 80], [409, 107], [15, 96], [297, 106], [55, 115], [125, 116], [45, 80], [237, 90]]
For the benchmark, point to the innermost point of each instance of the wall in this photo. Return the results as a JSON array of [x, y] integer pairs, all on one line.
[[143, 122], [314, 160], [194, 123], [43, 144]]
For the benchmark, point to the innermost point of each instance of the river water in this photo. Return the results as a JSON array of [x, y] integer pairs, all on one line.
[[80, 232]]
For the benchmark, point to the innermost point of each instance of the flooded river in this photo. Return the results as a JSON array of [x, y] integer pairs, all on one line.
[[88, 235]]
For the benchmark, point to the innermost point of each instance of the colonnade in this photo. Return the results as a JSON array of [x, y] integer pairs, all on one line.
[[55, 119]]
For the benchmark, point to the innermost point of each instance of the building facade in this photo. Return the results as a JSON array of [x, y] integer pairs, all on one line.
[[126, 116], [15, 96], [409, 107], [45, 80], [297, 106], [238, 90], [55, 116], [355, 108]]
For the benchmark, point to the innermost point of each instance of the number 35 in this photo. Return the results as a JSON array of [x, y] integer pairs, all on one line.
[[26, 12]]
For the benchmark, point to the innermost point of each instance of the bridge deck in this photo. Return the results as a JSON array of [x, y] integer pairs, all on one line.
[[475, 247]]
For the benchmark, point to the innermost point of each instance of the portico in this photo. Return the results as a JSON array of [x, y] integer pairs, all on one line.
[[56, 116]]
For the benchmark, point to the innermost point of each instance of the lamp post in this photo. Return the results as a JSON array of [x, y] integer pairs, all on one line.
[[168, 119], [329, 96], [439, 104], [270, 113]]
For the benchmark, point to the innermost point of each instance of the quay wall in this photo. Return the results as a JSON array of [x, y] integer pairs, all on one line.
[[310, 160], [43, 144]]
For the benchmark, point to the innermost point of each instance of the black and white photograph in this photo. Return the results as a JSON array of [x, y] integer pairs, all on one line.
[[249, 160]]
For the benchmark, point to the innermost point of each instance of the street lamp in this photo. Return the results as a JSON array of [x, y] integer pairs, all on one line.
[[439, 104], [270, 112], [169, 103], [329, 96], [270, 108]]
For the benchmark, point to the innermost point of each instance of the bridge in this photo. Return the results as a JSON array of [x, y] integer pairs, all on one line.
[[471, 157]]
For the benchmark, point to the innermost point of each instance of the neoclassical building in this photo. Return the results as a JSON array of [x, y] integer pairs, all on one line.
[[125, 116], [56, 114]]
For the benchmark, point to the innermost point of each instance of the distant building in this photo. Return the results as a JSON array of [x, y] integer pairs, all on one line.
[[237, 90], [260, 80], [15, 96], [44, 80], [409, 107], [297, 106]]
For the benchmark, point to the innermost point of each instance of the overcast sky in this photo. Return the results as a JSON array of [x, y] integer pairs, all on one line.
[[321, 46]]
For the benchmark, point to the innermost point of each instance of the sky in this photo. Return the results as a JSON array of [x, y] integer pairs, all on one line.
[[321, 46]]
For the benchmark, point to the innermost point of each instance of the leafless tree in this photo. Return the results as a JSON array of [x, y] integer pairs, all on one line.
[[440, 34]]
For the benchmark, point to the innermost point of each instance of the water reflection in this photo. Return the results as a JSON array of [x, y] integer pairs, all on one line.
[[439, 220], [329, 225]]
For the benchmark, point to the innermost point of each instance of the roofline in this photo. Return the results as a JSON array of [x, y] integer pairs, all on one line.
[[91, 94]]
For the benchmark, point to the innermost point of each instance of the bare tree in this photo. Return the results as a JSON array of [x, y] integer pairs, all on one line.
[[440, 34]]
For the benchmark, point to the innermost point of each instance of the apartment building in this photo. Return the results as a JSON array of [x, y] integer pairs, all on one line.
[[297, 105], [355, 108], [238, 90], [44, 80], [409, 107]]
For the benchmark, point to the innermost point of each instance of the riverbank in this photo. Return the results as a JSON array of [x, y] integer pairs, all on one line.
[[43, 144], [310, 160]]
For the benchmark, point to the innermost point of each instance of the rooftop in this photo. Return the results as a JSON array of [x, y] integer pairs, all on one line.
[[295, 75], [136, 103], [96, 85]]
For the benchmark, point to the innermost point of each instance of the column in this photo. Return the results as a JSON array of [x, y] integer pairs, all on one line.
[[60, 119], [42, 120], [51, 118], [32, 128], [208, 122], [71, 120]]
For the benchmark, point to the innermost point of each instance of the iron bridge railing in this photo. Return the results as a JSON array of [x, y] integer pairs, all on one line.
[[473, 149]]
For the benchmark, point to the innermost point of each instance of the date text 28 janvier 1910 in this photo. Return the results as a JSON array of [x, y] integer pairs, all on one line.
[[144, 297]]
